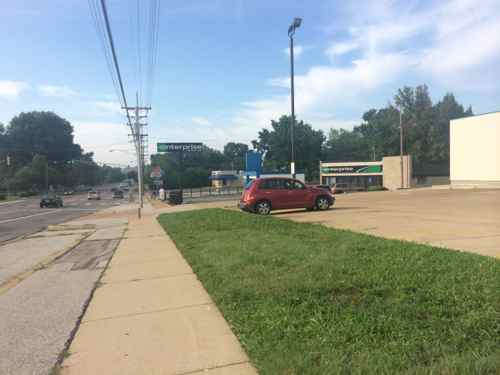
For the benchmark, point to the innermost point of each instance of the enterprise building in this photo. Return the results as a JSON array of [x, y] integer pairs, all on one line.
[[363, 175]]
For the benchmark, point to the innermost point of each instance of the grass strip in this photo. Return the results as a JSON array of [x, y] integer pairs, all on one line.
[[306, 299]]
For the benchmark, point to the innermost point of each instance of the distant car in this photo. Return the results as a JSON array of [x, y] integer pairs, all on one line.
[[346, 188], [68, 192], [263, 195], [51, 200], [93, 195], [117, 194]]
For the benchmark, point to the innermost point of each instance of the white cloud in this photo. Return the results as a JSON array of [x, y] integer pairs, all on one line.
[[341, 48], [297, 51], [12, 89], [109, 106], [102, 137], [201, 121], [56, 91]]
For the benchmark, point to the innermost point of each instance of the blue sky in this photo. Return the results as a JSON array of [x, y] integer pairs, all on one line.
[[222, 71]]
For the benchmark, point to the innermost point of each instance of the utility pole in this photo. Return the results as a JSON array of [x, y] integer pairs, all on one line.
[[138, 132], [47, 175], [138, 139]]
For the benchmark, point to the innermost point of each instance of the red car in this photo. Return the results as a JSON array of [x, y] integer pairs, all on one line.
[[265, 194]]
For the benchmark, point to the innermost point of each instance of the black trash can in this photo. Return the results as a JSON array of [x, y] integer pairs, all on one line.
[[175, 197]]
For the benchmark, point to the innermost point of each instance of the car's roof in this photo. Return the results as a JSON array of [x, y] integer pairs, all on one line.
[[276, 178]]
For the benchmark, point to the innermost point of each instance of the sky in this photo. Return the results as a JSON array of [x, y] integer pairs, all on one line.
[[222, 71]]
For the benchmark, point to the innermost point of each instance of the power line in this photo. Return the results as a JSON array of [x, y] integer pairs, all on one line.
[[98, 23], [112, 45]]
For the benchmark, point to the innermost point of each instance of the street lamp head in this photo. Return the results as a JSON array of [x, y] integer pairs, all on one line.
[[295, 25]]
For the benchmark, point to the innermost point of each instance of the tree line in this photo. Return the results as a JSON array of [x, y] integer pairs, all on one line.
[[35, 145], [37, 149], [426, 139]]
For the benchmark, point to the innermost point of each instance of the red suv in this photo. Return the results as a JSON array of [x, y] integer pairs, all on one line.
[[265, 194]]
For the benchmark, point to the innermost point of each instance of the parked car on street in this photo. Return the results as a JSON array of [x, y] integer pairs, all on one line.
[[263, 195], [93, 194], [51, 200], [117, 194]]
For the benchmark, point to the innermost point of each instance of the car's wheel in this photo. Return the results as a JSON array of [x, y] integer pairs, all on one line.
[[322, 203], [263, 208], [41, 205]]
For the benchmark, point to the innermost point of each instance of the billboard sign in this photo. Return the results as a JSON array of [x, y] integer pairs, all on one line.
[[179, 147], [353, 169], [253, 162]]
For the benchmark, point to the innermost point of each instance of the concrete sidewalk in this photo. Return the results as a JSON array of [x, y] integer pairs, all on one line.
[[151, 315]]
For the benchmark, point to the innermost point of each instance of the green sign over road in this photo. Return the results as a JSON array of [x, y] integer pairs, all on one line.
[[179, 147]]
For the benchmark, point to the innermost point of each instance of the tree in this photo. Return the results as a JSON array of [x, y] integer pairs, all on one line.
[[445, 110], [308, 144], [344, 145], [235, 153], [43, 133], [193, 170]]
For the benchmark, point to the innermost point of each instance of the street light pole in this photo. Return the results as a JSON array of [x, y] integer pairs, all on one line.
[[291, 31], [401, 145]]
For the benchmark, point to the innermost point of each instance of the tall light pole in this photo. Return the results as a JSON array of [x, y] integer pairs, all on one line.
[[291, 31], [401, 144]]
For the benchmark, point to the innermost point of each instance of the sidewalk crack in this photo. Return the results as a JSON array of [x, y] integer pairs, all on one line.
[[148, 312]]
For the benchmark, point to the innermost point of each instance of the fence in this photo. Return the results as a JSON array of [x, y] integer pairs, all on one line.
[[209, 191]]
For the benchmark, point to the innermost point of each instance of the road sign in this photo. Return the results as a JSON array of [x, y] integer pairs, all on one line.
[[156, 172], [179, 147]]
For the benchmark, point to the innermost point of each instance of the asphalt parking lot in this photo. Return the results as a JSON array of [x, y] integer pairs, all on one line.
[[467, 220]]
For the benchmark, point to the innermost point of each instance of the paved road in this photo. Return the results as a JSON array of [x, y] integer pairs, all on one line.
[[38, 315], [26, 217]]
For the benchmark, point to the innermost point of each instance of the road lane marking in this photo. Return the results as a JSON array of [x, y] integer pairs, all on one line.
[[27, 217]]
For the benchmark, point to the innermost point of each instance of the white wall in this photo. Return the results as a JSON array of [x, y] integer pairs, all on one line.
[[475, 149]]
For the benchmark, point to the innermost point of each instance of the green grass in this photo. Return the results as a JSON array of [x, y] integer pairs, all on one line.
[[306, 299], [7, 198]]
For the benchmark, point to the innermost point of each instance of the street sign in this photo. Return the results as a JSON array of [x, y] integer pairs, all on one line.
[[156, 172], [179, 147]]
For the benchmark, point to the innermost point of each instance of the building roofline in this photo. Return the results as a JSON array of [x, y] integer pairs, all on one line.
[[480, 114]]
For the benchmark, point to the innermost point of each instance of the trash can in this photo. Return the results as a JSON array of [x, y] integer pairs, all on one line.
[[175, 197]]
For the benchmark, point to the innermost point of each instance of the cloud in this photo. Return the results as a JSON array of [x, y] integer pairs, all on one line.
[[297, 51], [341, 48], [56, 91], [101, 137], [12, 89], [109, 106], [201, 121]]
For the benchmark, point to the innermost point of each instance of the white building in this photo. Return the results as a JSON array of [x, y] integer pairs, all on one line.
[[475, 151]]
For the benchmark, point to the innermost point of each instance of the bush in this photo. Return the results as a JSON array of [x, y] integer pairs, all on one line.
[[375, 188], [3, 196], [26, 194]]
